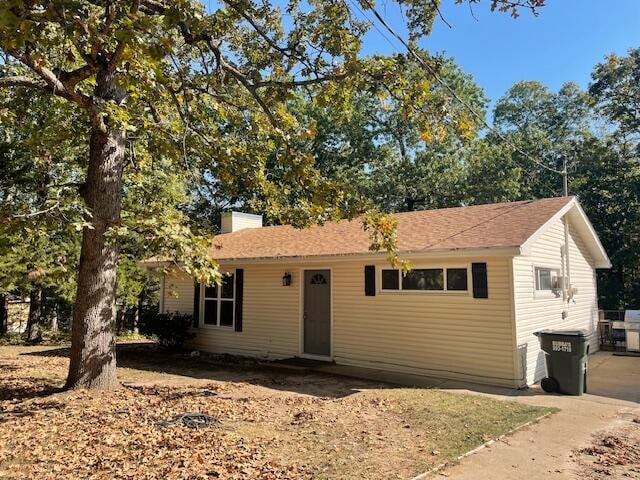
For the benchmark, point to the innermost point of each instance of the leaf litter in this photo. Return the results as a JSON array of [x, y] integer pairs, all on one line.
[[248, 426], [612, 454]]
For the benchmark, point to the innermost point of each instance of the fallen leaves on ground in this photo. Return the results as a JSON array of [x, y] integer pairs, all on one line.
[[614, 454], [105, 435], [264, 425]]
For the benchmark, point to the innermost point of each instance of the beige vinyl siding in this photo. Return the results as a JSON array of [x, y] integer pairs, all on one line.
[[270, 327], [537, 310], [448, 335], [441, 334], [177, 294]]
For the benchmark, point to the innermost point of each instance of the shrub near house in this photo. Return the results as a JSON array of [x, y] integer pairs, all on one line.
[[171, 330]]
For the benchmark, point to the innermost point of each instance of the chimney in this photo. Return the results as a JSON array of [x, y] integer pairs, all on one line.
[[234, 221]]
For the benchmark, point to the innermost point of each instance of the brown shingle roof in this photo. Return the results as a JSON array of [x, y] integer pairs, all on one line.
[[481, 226]]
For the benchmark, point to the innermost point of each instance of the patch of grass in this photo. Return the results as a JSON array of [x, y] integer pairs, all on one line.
[[63, 337], [131, 336], [11, 339], [468, 420], [389, 433], [49, 338]]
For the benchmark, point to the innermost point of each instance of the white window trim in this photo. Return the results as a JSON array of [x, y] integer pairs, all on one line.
[[400, 291], [219, 301], [545, 293]]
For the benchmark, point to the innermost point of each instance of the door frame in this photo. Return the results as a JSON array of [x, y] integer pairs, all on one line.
[[301, 351]]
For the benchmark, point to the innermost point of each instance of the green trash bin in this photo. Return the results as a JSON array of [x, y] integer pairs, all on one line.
[[565, 354]]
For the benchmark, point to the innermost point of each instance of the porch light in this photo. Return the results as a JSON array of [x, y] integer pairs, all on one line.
[[286, 279]]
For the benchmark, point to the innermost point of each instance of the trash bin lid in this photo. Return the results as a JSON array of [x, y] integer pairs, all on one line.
[[569, 333]]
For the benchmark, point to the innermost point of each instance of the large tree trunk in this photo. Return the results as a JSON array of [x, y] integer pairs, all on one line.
[[120, 315], [33, 333], [93, 342]]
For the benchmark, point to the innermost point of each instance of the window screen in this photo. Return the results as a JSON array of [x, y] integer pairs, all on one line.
[[546, 279], [424, 279], [227, 286], [457, 279], [390, 279], [226, 313], [218, 303]]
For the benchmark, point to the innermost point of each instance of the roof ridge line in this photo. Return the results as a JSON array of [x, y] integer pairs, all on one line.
[[515, 203], [501, 213]]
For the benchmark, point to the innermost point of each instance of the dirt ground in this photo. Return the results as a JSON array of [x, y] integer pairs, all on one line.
[[614, 453], [265, 424]]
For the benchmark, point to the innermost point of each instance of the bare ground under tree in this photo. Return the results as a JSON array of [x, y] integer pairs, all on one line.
[[269, 424]]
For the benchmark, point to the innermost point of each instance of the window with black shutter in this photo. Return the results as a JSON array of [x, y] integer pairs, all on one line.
[[219, 302], [436, 279]]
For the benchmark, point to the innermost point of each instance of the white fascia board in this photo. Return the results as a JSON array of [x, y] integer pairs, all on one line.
[[573, 206], [526, 246], [603, 261]]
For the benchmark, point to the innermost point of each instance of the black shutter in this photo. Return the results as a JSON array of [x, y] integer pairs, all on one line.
[[239, 293], [370, 280], [479, 274], [196, 304]]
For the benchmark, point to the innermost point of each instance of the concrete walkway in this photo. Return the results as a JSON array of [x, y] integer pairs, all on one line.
[[543, 450]]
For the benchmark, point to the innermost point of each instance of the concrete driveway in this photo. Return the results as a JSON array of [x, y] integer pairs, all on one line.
[[545, 450]]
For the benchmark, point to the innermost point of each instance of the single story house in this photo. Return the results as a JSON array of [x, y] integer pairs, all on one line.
[[483, 279]]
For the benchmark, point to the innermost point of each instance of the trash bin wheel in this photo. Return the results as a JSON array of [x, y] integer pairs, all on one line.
[[549, 385]]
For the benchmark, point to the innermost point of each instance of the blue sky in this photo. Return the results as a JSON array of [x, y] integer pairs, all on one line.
[[563, 43]]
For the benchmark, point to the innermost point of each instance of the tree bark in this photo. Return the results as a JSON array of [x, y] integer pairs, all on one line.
[[410, 203], [33, 333], [136, 316], [54, 319], [4, 314], [93, 342], [120, 315]]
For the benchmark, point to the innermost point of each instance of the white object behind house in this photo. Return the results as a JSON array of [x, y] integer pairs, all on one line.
[[234, 221], [632, 330], [633, 340], [632, 315]]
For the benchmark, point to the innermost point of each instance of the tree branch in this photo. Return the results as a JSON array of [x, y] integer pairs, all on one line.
[[252, 89], [22, 81], [76, 76], [436, 7], [153, 7], [299, 83], [285, 51], [57, 87]]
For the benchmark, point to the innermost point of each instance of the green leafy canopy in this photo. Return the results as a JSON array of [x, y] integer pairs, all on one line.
[[205, 94]]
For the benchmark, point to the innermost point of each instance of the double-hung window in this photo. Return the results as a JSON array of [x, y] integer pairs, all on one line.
[[428, 279], [219, 303]]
